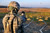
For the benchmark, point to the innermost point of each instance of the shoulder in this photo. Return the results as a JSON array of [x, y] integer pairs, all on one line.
[[6, 16]]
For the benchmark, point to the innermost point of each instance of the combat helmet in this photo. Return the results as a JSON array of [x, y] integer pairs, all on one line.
[[13, 4]]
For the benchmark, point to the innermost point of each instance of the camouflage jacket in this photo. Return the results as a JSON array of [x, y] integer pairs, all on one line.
[[8, 20]]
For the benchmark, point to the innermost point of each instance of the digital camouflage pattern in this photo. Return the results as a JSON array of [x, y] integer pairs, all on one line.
[[7, 23], [11, 22], [14, 4]]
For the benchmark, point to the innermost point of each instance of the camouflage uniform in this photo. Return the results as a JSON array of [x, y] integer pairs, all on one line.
[[12, 22]]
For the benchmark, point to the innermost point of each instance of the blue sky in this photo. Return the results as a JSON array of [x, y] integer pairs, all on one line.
[[28, 3]]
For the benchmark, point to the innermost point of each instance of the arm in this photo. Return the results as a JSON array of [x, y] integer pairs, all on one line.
[[4, 21], [20, 21]]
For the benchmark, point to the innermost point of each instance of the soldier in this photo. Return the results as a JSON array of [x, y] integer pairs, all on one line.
[[23, 18], [12, 22]]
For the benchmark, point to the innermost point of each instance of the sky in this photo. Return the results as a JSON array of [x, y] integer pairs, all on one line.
[[28, 3]]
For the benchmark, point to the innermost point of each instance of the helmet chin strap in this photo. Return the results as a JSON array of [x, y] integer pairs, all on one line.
[[13, 13]]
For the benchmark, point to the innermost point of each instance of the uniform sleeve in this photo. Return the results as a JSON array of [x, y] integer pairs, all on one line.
[[20, 20], [4, 21]]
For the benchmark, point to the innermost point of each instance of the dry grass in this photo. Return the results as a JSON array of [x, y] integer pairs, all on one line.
[[3, 10], [28, 9], [35, 9]]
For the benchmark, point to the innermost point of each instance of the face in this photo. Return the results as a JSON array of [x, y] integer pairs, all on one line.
[[22, 14], [15, 11]]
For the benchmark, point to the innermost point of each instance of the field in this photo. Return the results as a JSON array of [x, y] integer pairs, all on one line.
[[28, 9], [38, 15]]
